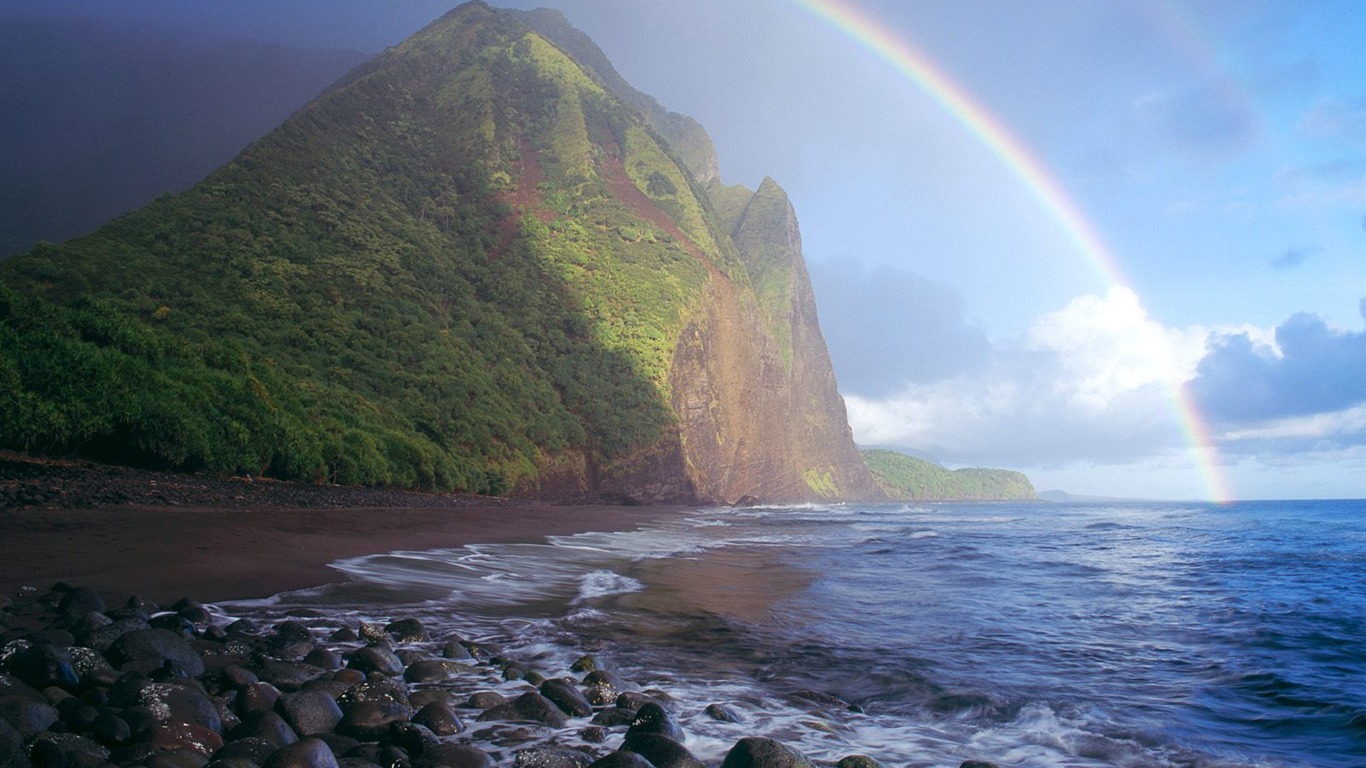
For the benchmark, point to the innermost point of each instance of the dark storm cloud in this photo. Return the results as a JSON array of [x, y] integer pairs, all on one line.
[[1320, 370], [886, 327], [1293, 257]]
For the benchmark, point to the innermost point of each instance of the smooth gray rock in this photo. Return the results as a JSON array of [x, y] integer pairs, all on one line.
[[373, 659], [652, 718], [440, 718], [305, 753], [310, 713], [150, 650], [760, 752], [550, 757], [449, 755], [567, 697], [530, 706], [660, 750]]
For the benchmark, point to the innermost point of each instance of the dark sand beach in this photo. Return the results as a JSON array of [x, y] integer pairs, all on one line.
[[223, 539]]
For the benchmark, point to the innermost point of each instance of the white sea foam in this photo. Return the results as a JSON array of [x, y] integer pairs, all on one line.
[[602, 583]]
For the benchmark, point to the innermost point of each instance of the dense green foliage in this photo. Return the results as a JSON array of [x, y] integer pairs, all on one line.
[[906, 478], [382, 291]]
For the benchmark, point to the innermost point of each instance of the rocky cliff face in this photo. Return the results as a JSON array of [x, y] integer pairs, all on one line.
[[480, 261]]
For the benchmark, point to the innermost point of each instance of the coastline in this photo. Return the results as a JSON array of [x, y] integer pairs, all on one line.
[[196, 541]]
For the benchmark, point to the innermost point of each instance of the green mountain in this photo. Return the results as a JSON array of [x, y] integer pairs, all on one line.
[[478, 262], [906, 478]]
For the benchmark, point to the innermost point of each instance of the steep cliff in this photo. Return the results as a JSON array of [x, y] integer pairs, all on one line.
[[476, 262]]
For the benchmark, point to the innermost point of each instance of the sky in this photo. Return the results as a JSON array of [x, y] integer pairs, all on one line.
[[1119, 245]]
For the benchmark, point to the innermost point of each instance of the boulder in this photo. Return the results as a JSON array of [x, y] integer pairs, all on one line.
[[153, 650], [369, 720], [531, 707], [660, 750], [305, 753], [450, 755], [373, 659], [550, 757], [310, 713], [621, 759], [567, 697], [652, 718], [406, 631], [759, 752], [440, 718]]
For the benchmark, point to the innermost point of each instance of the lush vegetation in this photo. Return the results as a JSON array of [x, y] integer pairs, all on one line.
[[427, 278], [906, 478]]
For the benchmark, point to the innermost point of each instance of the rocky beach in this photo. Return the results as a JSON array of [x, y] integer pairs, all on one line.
[[110, 658]]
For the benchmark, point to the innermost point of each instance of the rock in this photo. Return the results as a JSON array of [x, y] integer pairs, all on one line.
[[660, 750], [381, 690], [411, 737], [594, 734], [454, 650], [600, 695], [180, 758], [257, 697], [652, 718], [305, 753], [182, 704], [174, 624], [80, 601], [550, 757], [603, 677], [12, 751], [721, 713], [420, 699], [406, 631], [289, 675], [858, 761], [614, 716], [343, 635], [253, 749], [530, 706], [66, 749], [111, 730], [373, 659], [622, 759], [759, 752], [449, 755], [27, 716], [977, 764], [236, 677], [369, 720], [176, 736], [152, 650], [323, 658], [585, 664], [429, 671], [310, 713], [42, 666], [486, 700], [386, 755], [633, 700], [266, 725], [566, 697], [101, 638], [440, 718]]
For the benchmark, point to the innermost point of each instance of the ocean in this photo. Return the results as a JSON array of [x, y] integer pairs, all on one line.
[[1027, 634]]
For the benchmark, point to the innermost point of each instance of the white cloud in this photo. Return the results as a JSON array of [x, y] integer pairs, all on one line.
[[1091, 382]]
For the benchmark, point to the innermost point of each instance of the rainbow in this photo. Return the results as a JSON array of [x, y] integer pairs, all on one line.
[[916, 68]]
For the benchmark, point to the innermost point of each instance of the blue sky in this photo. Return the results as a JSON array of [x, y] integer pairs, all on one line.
[[1218, 147]]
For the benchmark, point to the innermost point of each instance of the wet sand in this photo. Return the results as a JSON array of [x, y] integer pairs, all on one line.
[[214, 554]]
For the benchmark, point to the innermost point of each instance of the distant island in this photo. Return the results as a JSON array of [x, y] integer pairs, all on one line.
[[907, 478]]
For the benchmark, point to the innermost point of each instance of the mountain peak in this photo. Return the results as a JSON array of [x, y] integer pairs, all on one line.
[[477, 262]]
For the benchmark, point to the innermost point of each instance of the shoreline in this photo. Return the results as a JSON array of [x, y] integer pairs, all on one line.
[[231, 539]]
